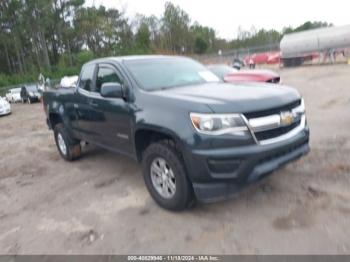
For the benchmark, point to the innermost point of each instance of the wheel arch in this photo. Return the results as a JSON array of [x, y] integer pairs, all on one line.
[[54, 119], [146, 135]]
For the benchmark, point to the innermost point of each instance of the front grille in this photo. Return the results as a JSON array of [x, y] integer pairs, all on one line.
[[276, 110], [272, 133], [271, 123]]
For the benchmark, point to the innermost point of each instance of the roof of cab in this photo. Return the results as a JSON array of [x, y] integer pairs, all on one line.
[[132, 57]]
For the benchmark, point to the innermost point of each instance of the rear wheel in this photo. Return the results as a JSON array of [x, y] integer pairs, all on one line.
[[68, 147], [165, 176]]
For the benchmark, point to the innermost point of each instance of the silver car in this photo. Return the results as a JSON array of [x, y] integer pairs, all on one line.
[[14, 95], [5, 107]]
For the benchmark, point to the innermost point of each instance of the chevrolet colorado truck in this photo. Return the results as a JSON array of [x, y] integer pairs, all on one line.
[[197, 137]]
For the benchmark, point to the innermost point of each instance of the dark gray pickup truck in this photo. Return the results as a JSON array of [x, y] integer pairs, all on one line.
[[196, 137]]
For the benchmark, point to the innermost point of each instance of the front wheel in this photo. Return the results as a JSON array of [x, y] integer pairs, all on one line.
[[68, 147], [165, 176]]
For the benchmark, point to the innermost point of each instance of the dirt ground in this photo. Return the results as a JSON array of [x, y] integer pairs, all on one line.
[[99, 204]]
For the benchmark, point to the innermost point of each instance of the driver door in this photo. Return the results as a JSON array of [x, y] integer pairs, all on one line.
[[111, 118]]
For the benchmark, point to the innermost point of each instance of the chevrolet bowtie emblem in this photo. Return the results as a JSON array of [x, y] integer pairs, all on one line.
[[287, 118]]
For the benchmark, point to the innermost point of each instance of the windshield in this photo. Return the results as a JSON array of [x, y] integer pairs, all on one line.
[[221, 70], [32, 88], [162, 73]]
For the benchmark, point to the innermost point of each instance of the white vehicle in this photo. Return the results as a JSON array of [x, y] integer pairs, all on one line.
[[14, 95], [41, 82], [69, 81], [5, 107]]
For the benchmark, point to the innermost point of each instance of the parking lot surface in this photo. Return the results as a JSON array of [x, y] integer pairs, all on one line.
[[99, 204]]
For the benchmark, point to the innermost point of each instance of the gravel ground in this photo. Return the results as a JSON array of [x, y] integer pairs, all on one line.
[[99, 204]]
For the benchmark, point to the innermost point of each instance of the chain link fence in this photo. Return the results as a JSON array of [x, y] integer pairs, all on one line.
[[313, 58], [226, 57]]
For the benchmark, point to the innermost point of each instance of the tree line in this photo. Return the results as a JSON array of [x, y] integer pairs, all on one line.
[[56, 37]]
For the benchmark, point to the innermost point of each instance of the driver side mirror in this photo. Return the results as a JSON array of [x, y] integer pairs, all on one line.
[[112, 90]]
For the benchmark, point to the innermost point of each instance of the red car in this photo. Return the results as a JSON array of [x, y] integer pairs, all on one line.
[[263, 58], [232, 75]]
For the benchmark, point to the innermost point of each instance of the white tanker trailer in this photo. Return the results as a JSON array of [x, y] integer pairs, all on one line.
[[299, 47]]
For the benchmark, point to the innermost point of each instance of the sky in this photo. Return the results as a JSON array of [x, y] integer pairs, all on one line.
[[225, 16]]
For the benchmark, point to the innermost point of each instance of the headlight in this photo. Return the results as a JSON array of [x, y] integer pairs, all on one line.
[[219, 124]]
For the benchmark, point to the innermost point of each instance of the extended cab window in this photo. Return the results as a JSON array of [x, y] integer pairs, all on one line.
[[106, 75], [86, 77]]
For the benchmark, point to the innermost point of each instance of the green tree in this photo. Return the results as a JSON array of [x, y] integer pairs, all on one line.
[[104, 32], [200, 45], [143, 37], [204, 37], [175, 27]]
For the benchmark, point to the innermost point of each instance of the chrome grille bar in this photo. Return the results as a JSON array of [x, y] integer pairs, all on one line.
[[287, 135], [265, 123], [271, 122]]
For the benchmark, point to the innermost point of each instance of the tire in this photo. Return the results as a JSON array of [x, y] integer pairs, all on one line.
[[72, 146], [182, 196]]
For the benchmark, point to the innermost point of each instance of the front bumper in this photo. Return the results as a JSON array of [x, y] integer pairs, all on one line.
[[217, 174], [5, 112]]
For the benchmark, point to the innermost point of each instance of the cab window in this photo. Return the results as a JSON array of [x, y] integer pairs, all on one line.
[[106, 75], [86, 78]]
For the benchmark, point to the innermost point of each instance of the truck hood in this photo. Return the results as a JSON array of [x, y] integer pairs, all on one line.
[[234, 98]]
